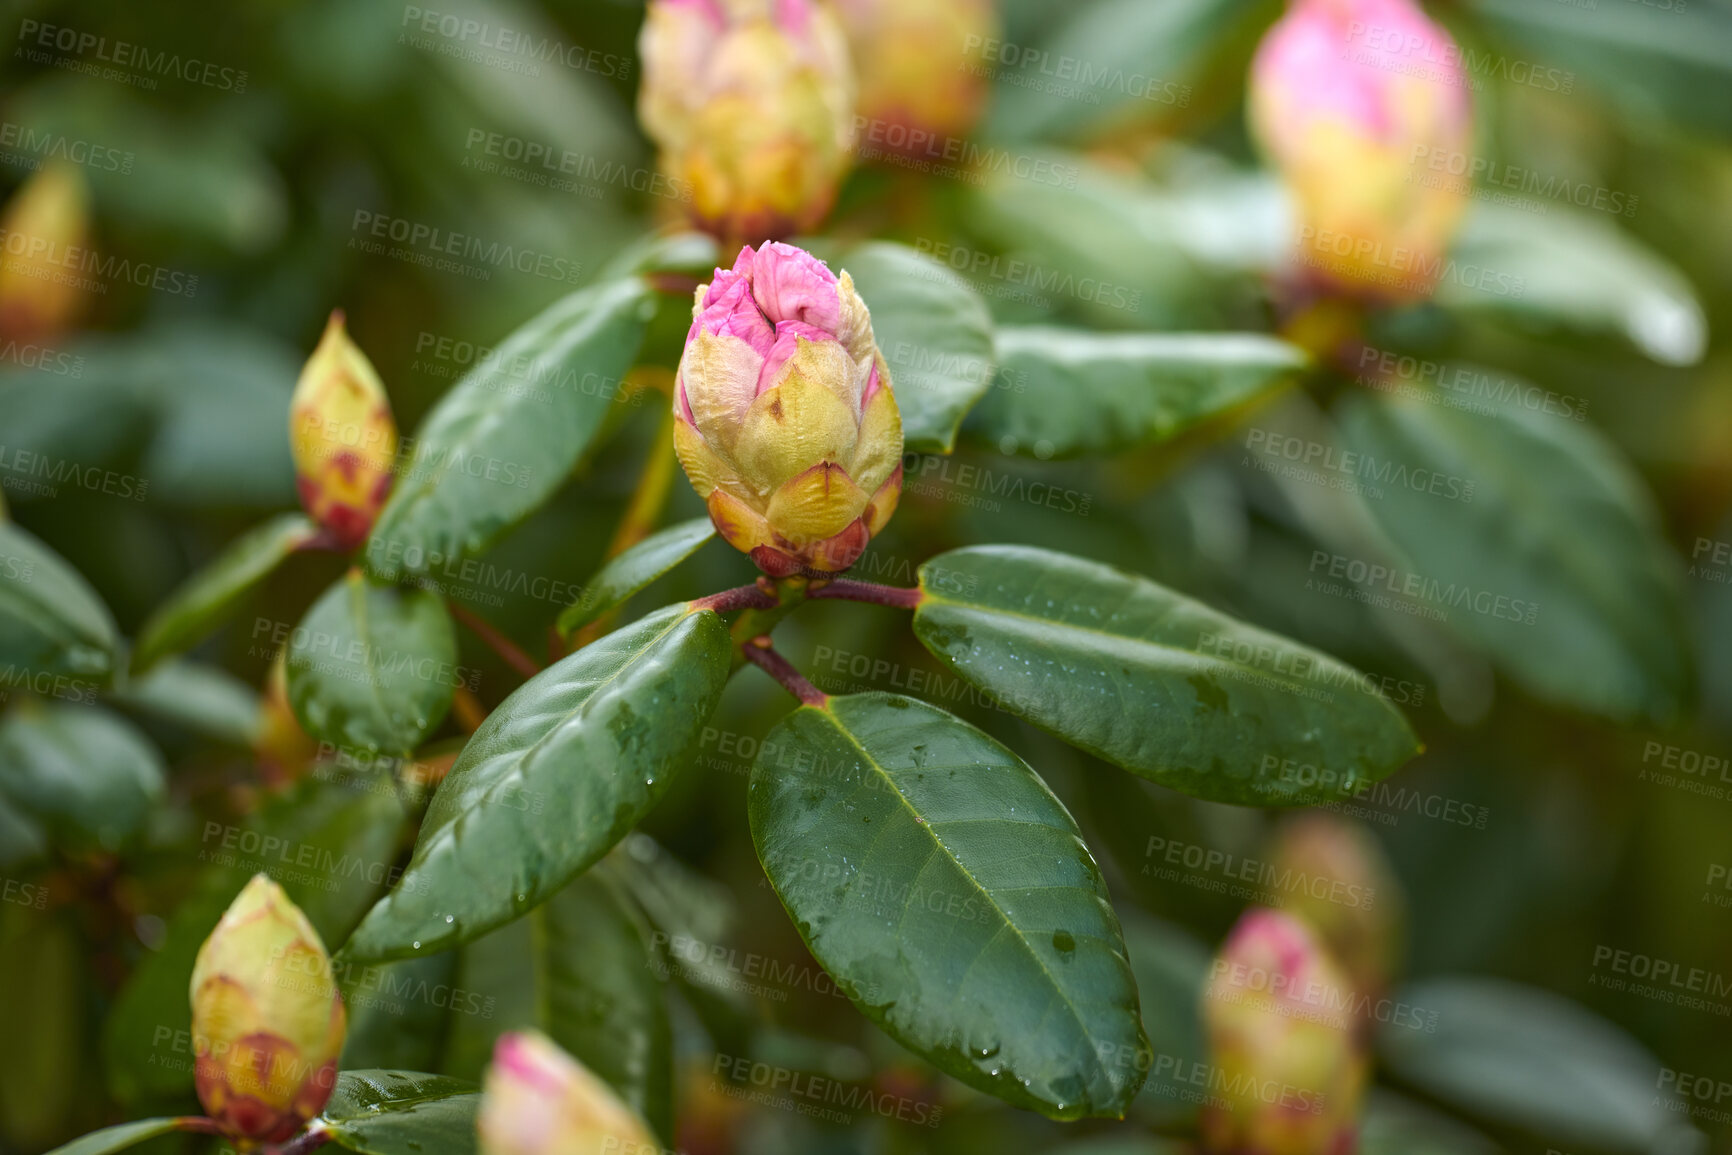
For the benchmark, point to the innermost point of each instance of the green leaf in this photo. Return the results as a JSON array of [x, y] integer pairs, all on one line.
[[124, 1135], [332, 847], [552, 779], [1155, 682], [506, 436], [212, 594], [935, 334], [51, 621], [1396, 1126], [401, 1113], [89, 775], [372, 667], [1557, 567], [399, 1012], [1527, 1058], [634, 569], [949, 893], [1070, 392], [207, 700]]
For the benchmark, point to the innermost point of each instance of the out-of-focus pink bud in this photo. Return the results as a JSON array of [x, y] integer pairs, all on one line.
[[786, 423], [342, 437], [267, 1019], [538, 1100], [1288, 1072], [45, 225], [1340, 885], [752, 105], [1352, 100], [921, 65]]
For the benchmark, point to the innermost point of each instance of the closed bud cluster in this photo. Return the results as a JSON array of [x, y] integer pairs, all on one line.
[[1349, 895], [751, 103], [342, 437], [1344, 95], [267, 1020], [47, 220], [538, 1100], [916, 63], [1289, 1073], [785, 420]]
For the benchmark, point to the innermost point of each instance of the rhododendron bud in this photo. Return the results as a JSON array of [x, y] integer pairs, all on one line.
[[786, 423], [752, 104], [538, 1100], [1288, 1073], [1335, 879], [267, 1020], [920, 66], [44, 230], [342, 437], [1351, 99]]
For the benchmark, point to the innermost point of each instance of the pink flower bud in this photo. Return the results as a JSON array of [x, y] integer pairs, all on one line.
[[1288, 1073], [1340, 885], [47, 225], [538, 1100], [786, 423], [342, 437], [1351, 99], [920, 65], [752, 105], [267, 1020]]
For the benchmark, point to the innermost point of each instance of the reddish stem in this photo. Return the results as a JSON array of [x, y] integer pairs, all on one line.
[[752, 597], [847, 589], [760, 654], [497, 642]]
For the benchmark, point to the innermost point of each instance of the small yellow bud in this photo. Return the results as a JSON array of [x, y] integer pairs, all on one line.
[[267, 1019], [920, 66], [538, 1100], [45, 227], [342, 437]]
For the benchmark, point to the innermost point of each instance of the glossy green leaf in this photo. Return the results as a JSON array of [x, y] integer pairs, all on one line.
[[935, 334], [506, 436], [124, 1135], [1070, 392], [634, 569], [1155, 682], [205, 699], [372, 667], [949, 893], [1557, 567], [552, 780], [399, 1012], [88, 775], [333, 848], [212, 594], [1526, 1058], [401, 1113], [51, 621]]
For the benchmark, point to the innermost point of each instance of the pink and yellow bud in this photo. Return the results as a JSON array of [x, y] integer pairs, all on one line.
[[751, 103], [1343, 889], [538, 1100], [785, 420], [1351, 99], [267, 1019], [342, 437], [920, 65], [45, 227], [1288, 1072]]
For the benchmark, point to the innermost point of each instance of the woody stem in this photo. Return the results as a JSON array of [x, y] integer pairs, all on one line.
[[847, 589], [761, 654], [496, 641]]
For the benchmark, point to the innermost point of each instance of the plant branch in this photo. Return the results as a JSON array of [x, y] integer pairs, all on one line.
[[496, 641], [759, 652], [752, 597], [847, 589]]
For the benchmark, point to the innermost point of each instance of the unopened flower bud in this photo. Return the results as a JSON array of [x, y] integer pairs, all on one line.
[[786, 423], [267, 1020], [538, 1100], [1352, 100], [342, 437], [1288, 1072], [45, 225], [1342, 888], [919, 66], [283, 747], [752, 104]]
